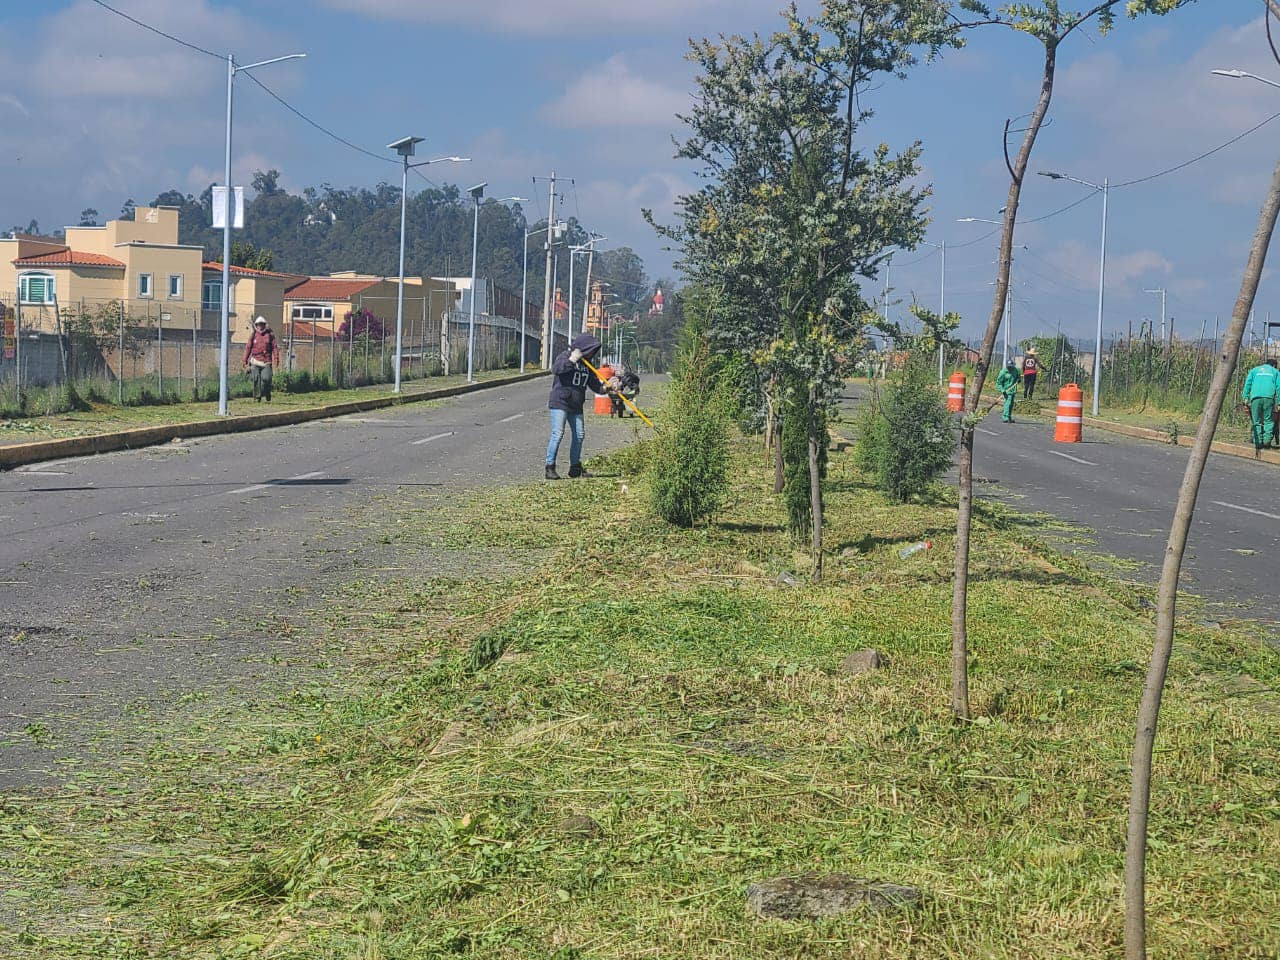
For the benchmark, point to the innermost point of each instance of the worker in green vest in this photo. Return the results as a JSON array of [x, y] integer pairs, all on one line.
[[1261, 389], [1007, 382]]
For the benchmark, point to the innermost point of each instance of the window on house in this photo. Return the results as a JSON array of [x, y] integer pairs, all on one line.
[[144, 284], [36, 288], [175, 286], [312, 313], [211, 295]]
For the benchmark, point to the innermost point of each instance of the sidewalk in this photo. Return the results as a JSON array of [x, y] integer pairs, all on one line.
[[108, 440]]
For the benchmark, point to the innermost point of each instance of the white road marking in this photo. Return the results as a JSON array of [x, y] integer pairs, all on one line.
[[267, 486], [1067, 456], [989, 433], [514, 416], [1256, 513], [438, 436]]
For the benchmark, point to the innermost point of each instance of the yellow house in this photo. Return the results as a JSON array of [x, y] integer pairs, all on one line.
[[140, 264], [254, 293], [136, 262]]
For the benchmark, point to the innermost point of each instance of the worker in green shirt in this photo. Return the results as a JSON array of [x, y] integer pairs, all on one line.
[[1261, 390], [1007, 382]]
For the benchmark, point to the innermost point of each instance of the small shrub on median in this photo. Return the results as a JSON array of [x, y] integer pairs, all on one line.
[[690, 468], [906, 439]]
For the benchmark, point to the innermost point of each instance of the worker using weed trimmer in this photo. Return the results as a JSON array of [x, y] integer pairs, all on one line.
[[571, 377], [1261, 391], [1007, 383]]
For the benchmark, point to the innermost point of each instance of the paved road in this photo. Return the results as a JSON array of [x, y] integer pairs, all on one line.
[[1120, 492], [136, 578]]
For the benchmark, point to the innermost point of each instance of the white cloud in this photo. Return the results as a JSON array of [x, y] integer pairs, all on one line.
[[561, 16], [614, 95], [121, 111], [1153, 111]]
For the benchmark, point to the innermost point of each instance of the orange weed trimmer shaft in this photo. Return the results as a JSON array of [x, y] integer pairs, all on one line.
[[636, 410]]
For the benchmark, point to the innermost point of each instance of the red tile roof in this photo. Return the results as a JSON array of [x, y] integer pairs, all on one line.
[[216, 265], [310, 330], [326, 289], [68, 258]]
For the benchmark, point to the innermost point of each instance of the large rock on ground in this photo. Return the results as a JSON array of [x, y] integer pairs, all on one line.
[[864, 661], [580, 826], [808, 898]]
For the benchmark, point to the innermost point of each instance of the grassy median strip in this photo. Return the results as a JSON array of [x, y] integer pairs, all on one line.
[[681, 690]]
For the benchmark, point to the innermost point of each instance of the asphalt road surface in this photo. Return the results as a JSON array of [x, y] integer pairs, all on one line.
[[137, 578], [1119, 493]]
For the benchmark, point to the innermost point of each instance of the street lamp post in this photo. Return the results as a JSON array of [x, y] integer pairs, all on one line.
[[942, 303], [405, 147], [557, 230], [232, 69], [477, 193], [1105, 189]]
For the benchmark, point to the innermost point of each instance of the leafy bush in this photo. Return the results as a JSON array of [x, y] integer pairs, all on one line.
[[906, 440], [690, 466]]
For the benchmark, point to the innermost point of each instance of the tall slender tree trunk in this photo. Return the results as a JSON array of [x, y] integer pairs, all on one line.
[[815, 484], [1135, 923], [964, 517]]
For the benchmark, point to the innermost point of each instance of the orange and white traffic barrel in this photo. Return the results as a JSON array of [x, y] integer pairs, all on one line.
[[1070, 415], [603, 403], [955, 392]]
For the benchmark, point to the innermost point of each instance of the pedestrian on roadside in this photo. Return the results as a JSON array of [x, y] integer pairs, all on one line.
[[261, 354], [1031, 367], [1007, 382], [1261, 391], [570, 381]]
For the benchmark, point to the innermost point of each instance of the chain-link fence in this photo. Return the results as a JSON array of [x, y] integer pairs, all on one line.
[[60, 357]]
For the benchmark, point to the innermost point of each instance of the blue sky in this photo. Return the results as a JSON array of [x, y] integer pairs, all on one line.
[[95, 110]]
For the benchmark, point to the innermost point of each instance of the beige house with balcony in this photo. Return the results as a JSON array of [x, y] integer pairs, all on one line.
[[138, 263]]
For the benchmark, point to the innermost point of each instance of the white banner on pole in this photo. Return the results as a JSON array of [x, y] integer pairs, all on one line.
[[220, 208]]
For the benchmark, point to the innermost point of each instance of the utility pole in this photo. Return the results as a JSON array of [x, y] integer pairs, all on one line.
[[1163, 293], [548, 309]]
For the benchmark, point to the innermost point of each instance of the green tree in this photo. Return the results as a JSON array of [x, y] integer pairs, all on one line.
[[689, 478], [245, 254], [907, 440], [1050, 24], [794, 213]]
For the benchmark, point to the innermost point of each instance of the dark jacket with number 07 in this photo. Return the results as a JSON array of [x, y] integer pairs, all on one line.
[[570, 381]]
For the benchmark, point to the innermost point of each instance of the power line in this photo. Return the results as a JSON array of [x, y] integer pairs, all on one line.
[[325, 130], [1069, 206], [1206, 154], [158, 31], [271, 93]]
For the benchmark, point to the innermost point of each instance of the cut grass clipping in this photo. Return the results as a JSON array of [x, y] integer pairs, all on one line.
[[667, 685]]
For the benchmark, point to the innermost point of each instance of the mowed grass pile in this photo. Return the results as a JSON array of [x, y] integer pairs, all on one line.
[[679, 689]]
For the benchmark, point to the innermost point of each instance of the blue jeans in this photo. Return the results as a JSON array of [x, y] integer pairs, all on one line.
[[578, 427]]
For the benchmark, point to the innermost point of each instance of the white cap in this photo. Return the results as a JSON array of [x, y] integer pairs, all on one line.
[[260, 320]]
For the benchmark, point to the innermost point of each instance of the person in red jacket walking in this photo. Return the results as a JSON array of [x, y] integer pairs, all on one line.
[[261, 354]]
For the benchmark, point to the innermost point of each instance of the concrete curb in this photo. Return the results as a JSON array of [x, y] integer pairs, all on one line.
[[20, 454], [1241, 450]]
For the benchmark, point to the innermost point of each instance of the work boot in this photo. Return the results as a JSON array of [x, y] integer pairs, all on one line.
[[576, 470], [551, 472]]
